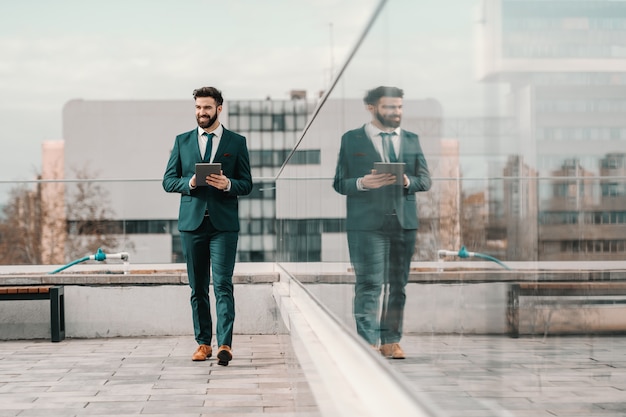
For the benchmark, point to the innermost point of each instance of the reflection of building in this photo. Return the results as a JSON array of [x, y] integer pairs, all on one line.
[[565, 63], [585, 218], [313, 229], [520, 210], [561, 222]]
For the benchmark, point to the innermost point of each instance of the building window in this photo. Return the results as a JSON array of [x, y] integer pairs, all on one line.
[[306, 157]]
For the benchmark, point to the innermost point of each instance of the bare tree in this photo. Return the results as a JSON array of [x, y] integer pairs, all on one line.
[[20, 227], [56, 223], [89, 217]]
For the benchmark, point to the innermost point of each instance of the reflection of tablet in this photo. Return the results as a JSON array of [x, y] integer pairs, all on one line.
[[395, 168], [204, 169]]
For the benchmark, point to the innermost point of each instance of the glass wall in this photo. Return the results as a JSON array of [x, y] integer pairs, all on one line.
[[517, 106], [520, 145]]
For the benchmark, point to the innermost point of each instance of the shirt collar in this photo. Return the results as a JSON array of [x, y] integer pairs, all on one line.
[[373, 131], [217, 132]]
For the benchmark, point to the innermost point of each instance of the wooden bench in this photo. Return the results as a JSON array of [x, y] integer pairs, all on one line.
[[52, 293], [561, 289]]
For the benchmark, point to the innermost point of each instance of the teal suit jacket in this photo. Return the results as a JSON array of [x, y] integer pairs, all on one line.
[[366, 209], [222, 206]]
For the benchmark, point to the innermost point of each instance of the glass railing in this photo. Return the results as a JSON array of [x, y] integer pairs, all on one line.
[[524, 151], [302, 219], [524, 148]]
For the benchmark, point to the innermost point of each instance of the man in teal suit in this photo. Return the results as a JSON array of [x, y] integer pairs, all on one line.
[[208, 218], [381, 218]]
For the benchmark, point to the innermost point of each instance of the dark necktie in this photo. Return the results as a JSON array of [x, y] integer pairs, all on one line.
[[388, 146], [209, 145]]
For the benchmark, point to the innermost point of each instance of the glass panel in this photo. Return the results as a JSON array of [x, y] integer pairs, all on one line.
[[516, 106]]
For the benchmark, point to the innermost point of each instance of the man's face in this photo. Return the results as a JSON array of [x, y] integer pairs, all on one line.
[[388, 112], [207, 111]]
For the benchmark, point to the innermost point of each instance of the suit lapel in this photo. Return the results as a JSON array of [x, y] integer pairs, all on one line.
[[367, 145], [223, 146], [406, 145], [192, 143]]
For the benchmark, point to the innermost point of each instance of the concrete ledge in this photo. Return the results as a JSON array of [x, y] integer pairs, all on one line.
[[154, 300], [339, 367], [116, 278], [474, 276]]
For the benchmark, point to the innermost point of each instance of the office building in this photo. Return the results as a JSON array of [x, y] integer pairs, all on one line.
[[565, 65]]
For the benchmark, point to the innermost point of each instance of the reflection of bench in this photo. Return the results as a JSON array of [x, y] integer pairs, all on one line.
[[52, 293], [609, 290]]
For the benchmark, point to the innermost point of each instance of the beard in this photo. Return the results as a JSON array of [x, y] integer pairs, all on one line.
[[388, 121], [204, 123]]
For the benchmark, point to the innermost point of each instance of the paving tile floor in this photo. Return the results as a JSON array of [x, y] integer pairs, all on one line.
[[486, 376], [471, 376], [151, 376]]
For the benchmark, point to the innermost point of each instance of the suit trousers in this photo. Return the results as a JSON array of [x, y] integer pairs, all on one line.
[[381, 259], [203, 248]]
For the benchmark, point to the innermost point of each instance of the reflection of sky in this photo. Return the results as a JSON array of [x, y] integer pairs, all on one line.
[[427, 48]]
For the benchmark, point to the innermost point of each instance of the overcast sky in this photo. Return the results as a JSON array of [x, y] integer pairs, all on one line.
[[54, 51]]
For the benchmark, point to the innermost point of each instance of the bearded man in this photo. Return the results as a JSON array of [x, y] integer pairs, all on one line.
[[382, 219]]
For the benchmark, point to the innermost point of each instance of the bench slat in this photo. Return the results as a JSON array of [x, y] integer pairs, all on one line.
[[41, 292], [25, 290], [572, 285], [584, 289], [571, 288]]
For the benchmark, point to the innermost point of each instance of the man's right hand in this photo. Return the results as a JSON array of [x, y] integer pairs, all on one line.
[[373, 180]]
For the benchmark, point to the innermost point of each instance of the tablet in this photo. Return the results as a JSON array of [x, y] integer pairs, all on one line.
[[395, 168], [204, 169]]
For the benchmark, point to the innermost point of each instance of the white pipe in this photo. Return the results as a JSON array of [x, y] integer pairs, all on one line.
[[122, 255], [443, 252]]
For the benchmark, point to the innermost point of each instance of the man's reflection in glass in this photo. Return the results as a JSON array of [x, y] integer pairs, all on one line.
[[381, 215]]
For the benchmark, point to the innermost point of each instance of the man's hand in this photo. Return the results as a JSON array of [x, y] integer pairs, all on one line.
[[373, 180], [220, 181]]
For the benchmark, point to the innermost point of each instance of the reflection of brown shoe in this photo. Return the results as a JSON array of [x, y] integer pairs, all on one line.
[[392, 350], [202, 353], [224, 355]]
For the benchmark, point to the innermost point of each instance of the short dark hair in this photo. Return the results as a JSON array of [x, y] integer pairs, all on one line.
[[375, 94], [209, 92]]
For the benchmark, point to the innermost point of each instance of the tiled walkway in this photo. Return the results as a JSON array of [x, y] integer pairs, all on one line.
[[466, 376], [150, 376], [474, 376]]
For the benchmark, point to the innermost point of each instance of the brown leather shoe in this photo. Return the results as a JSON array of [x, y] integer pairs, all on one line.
[[224, 355], [392, 350], [202, 353]]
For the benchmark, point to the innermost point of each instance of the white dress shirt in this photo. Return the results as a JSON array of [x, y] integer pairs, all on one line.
[[202, 139], [374, 134]]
